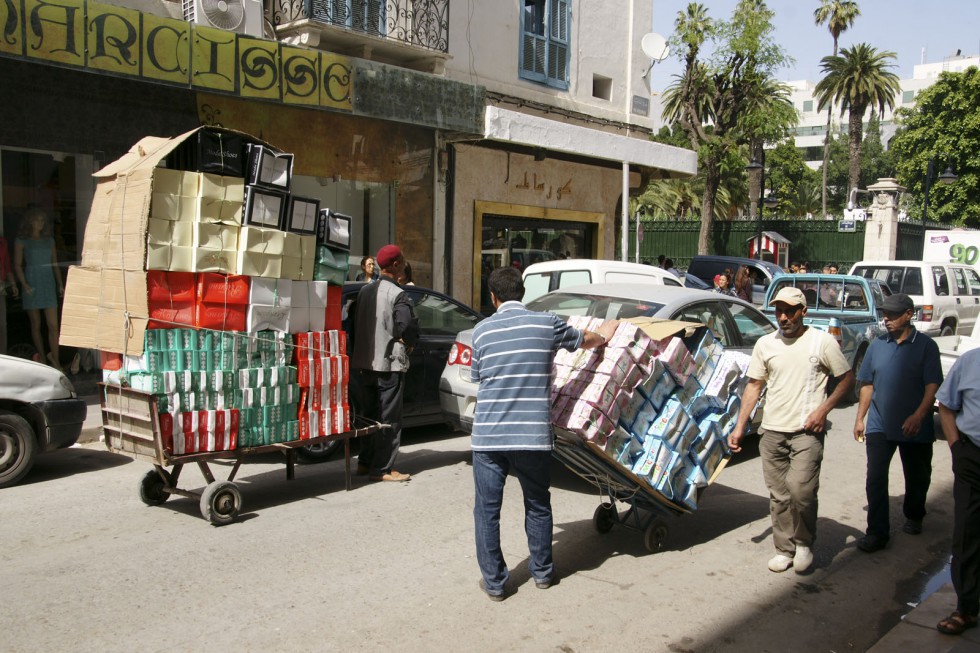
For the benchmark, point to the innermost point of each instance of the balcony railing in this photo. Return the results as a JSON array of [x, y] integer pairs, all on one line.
[[422, 23]]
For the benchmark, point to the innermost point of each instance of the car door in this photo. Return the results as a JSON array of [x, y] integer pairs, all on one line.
[[440, 319], [713, 314], [967, 304]]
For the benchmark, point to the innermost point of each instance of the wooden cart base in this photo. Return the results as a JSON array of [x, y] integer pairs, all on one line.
[[132, 427]]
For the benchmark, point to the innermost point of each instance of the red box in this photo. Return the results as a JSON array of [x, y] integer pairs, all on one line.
[[110, 361], [171, 314], [223, 289], [332, 320], [221, 317], [170, 286]]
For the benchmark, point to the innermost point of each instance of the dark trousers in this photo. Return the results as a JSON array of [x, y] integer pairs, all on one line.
[[383, 395], [917, 466], [965, 569]]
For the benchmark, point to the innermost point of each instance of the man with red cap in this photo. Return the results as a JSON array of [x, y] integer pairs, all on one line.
[[385, 330]]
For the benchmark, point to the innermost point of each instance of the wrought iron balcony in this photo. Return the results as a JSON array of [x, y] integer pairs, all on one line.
[[419, 23]]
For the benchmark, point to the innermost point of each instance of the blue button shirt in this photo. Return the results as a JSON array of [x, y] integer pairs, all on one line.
[[900, 373], [961, 394]]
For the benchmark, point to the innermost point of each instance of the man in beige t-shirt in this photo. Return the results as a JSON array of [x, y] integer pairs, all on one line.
[[794, 365]]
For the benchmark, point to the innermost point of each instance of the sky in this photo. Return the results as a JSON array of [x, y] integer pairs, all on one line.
[[904, 27]]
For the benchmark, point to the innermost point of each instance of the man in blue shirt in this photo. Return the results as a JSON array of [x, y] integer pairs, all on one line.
[[901, 373], [959, 414], [513, 353]]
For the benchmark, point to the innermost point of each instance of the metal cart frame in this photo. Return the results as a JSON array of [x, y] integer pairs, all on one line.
[[648, 510], [131, 423]]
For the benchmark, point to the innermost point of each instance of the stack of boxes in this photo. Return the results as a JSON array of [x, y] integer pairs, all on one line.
[[661, 409], [200, 255]]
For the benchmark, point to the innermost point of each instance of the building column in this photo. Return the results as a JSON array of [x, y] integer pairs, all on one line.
[[881, 228]]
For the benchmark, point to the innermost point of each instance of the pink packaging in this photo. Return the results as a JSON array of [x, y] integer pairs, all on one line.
[[585, 420], [677, 359]]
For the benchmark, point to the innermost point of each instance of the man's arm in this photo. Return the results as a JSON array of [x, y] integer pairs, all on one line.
[[750, 397], [816, 421], [406, 324], [864, 403], [948, 420], [599, 337], [911, 426]]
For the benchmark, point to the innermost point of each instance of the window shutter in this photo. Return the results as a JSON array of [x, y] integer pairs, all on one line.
[[534, 52]]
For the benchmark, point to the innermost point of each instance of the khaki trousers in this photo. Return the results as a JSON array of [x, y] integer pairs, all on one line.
[[791, 467]]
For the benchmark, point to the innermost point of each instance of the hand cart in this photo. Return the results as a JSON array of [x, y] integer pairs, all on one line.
[[132, 427], [647, 508]]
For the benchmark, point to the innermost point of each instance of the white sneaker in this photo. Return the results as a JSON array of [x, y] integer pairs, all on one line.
[[780, 562], [803, 559]]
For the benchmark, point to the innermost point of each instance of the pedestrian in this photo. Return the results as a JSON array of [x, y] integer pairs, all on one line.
[[959, 414], [368, 271], [385, 330], [901, 374], [513, 352], [661, 258], [669, 266], [743, 284], [723, 283], [407, 279], [793, 364]]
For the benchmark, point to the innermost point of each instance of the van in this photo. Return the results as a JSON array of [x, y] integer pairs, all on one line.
[[704, 267], [511, 257], [541, 278], [946, 295]]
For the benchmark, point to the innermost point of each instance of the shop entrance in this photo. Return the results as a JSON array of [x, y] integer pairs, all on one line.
[[519, 242]]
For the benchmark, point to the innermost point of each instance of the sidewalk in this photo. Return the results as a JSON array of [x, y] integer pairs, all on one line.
[[917, 630]]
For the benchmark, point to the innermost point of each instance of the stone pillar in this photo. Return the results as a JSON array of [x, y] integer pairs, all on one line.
[[881, 228]]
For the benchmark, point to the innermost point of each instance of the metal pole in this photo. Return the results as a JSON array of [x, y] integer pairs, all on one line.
[[758, 209], [930, 171]]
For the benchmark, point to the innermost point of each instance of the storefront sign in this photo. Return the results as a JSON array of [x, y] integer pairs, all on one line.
[[119, 41], [953, 246]]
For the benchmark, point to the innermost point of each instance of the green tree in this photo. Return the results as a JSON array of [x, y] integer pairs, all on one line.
[[856, 80], [839, 15], [943, 126], [837, 170], [766, 118], [707, 98], [795, 185], [876, 161]]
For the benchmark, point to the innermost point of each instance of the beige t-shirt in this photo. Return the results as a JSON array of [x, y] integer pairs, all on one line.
[[795, 371]]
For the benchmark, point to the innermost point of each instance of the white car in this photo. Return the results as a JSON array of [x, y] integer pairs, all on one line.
[[541, 278], [39, 412], [737, 324]]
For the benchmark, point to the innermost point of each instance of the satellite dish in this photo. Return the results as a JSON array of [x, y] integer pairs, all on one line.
[[654, 46]]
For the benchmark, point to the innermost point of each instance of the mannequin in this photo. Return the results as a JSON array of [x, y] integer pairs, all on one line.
[[36, 267]]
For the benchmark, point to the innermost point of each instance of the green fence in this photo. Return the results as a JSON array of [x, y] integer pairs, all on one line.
[[817, 241]]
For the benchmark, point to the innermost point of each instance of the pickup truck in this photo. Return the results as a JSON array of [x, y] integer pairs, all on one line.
[[39, 412], [950, 347], [845, 306]]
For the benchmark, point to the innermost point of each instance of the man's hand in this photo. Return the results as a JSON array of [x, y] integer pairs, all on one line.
[[859, 430], [816, 422], [735, 439], [607, 329], [911, 426]]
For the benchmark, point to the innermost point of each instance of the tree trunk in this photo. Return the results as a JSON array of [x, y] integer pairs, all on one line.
[[854, 135], [826, 161], [712, 179], [755, 179]]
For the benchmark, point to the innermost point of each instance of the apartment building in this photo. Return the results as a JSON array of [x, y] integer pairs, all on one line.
[[468, 136]]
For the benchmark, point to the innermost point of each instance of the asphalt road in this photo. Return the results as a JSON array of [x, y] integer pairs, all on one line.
[[85, 566]]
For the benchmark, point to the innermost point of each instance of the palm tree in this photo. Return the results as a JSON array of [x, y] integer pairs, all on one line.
[[856, 80], [839, 15]]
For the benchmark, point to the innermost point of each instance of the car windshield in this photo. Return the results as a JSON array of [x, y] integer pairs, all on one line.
[[606, 308]]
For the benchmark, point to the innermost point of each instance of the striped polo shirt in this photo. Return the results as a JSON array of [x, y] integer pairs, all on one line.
[[513, 352]]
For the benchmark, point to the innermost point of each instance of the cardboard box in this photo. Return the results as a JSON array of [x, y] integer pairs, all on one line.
[[303, 212], [171, 286], [333, 230], [111, 283], [269, 168], [264, 207]]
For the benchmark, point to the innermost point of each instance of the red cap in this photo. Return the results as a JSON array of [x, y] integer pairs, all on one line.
[[388, 255]]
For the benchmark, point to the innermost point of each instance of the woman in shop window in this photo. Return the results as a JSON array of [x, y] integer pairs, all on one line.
[[36, 267]]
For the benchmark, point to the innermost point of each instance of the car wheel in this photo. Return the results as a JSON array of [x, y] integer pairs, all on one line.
[[318, 453], [17, 448], [947, 329]]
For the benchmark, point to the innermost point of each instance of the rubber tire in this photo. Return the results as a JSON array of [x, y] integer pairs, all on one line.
[[605, 517], [151, 487], [318, 453], [655, 536], [221, 502], [18, 448], [947, 330]]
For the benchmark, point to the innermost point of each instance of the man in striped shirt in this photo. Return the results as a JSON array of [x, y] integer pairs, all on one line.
[[513, 352]]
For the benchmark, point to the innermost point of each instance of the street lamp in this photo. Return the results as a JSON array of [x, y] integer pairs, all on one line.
[[770, 201], [947, 178]]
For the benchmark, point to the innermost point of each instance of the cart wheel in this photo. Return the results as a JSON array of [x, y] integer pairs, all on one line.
[[221, 502], [655, 536], [605, 516], [152, 484]]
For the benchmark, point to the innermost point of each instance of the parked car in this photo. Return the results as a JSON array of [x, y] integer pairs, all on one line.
[[735, 323], [441, 318], [951, 347], [39, 412], [946, 295], [541, 278], [847, 307], [704, 268]]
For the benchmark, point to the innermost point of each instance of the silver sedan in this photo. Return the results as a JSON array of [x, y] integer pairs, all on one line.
[[735, 323]]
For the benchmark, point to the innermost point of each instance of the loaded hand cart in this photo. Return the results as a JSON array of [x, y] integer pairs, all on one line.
[[131, 422]]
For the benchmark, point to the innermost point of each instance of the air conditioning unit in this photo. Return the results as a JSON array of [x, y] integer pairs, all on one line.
[[242, 16]]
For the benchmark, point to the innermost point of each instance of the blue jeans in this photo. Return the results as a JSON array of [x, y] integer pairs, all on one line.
[[533, 471]]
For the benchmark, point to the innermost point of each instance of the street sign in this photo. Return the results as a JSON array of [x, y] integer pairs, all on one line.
[[846, 224]]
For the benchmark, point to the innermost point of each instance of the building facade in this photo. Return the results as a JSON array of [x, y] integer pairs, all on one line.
[[487, 137]]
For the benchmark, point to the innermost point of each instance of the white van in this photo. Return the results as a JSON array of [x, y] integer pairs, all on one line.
[[946, 295], [541, 278]]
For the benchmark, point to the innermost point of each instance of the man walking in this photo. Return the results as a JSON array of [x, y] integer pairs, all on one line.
[[794, 365], [959, 414], [385, 330], [901, 373], [513, 352]]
